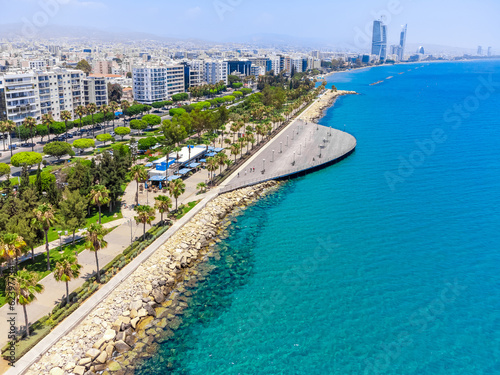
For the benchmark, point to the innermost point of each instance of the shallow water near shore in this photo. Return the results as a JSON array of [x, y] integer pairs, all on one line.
[[366, 267]]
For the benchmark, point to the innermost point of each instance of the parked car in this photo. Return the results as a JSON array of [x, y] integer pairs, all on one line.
[[70, 135], [113, 134], [98, 127]]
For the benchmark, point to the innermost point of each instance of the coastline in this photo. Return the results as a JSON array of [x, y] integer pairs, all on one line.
[[146, 308], [326, 101]]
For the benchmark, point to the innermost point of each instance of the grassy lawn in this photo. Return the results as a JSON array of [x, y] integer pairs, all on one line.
[[106, 217], [40, 264], [186, 209]]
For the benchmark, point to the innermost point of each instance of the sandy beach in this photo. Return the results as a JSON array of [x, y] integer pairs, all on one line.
[[316, 111]]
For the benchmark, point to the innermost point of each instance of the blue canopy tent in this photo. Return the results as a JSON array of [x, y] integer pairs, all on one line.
[[157, 178], [218, 149], [194, 165], [211, 154], [174, 177], [184, 171], [149, 165], [203, 160]]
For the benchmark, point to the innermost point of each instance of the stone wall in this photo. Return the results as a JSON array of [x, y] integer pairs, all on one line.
[[146, 308]]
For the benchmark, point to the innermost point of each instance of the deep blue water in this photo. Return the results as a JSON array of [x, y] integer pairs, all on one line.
[[387, 263]]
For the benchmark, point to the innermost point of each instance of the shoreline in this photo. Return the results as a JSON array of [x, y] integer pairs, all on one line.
[[318, 109], [146, 308]]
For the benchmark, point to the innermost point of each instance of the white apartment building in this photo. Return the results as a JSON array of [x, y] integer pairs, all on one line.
[[257, 71], [157, 83], [102, 67], [275, 63], [216, 71], [35, 93], [297, 64], [197, 74]]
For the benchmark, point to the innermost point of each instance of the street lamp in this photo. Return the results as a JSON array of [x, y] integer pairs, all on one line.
[[281, 147], [300, 149], [59, 232], [272, 157], [293, 158], [131, 235], [263, 165], [287, 141]]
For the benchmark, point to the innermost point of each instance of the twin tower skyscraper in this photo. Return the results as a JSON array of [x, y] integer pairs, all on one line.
[[379, 41]]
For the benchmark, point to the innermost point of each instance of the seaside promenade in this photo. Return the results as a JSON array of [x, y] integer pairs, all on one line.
[[299, 148]]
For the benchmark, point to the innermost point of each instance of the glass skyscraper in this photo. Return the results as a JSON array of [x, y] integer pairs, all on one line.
[[402, 43], [379, 40]]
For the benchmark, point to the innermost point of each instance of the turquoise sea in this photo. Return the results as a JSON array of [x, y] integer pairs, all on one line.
[[386, 263]]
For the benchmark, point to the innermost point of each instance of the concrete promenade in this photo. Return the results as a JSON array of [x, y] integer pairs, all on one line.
[[298, 148]]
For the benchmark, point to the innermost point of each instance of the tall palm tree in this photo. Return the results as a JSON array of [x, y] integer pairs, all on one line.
[[95, 242], [145, 215], [163, 203], [139, 174], [47, 120], [91, 109], [12, 246], [99, 196], [113, 106], [66, 270], [235, 150], [80, 111], [22, 288], [176, 188], [212, 165], [104, 109], [30, 123], [221, 158], [9, 127], [44, 217], [125, 105], [3, 130], [66, 116]]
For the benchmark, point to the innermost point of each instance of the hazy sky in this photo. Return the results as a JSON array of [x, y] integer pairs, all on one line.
[[447, 22]]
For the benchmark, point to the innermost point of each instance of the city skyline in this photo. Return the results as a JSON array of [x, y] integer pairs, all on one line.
[[347, 25]]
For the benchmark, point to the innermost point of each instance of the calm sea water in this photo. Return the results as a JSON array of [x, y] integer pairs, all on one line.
[[387, 263]]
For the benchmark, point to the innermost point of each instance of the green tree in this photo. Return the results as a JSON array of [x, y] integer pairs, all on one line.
[[176, 188], [84, 66], [113, 107], [99, 196], [138, 125], [26, 158], [173, 131], [73, 210], [104, 137], [139, 174], [163, 204], [145, 215], [115, 92], [42, 131], [202, 187], [79, 178], [83, 143], [44, 217], [12, 246], [22, 288], [4, 170], [80, 111], [94, 242], [6, 127], [58, 149], [152, 120], [122, 131], [91, 108], [66, 270], [147, 143]]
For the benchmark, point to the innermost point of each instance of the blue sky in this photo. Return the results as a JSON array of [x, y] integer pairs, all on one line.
[[454, 23]]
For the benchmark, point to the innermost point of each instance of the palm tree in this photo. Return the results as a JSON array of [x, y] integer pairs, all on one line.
[[95, 242], [66, 270], [99, 196], [221, 159], [113, 106], [125, 105], [104, 109], [212, 165], [30, 123], [202, 187], [235, 150], [176, 188], [163, 203], [80, 111], [45, 218], [138, 173], [12, 246], [47, 120], [9, 126], [4, 131], [22, 288], [145, 214], [66, 116], [91, 109]]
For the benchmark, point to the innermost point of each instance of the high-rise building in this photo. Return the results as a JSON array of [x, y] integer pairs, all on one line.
[[216, 71], [480, 50], [157, 83], [402, 43], [95, 91], [421, 50], [379, 40], [490, 53]]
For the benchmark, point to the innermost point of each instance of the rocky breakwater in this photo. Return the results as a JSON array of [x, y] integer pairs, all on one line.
[[316, 111], [146, 309]]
